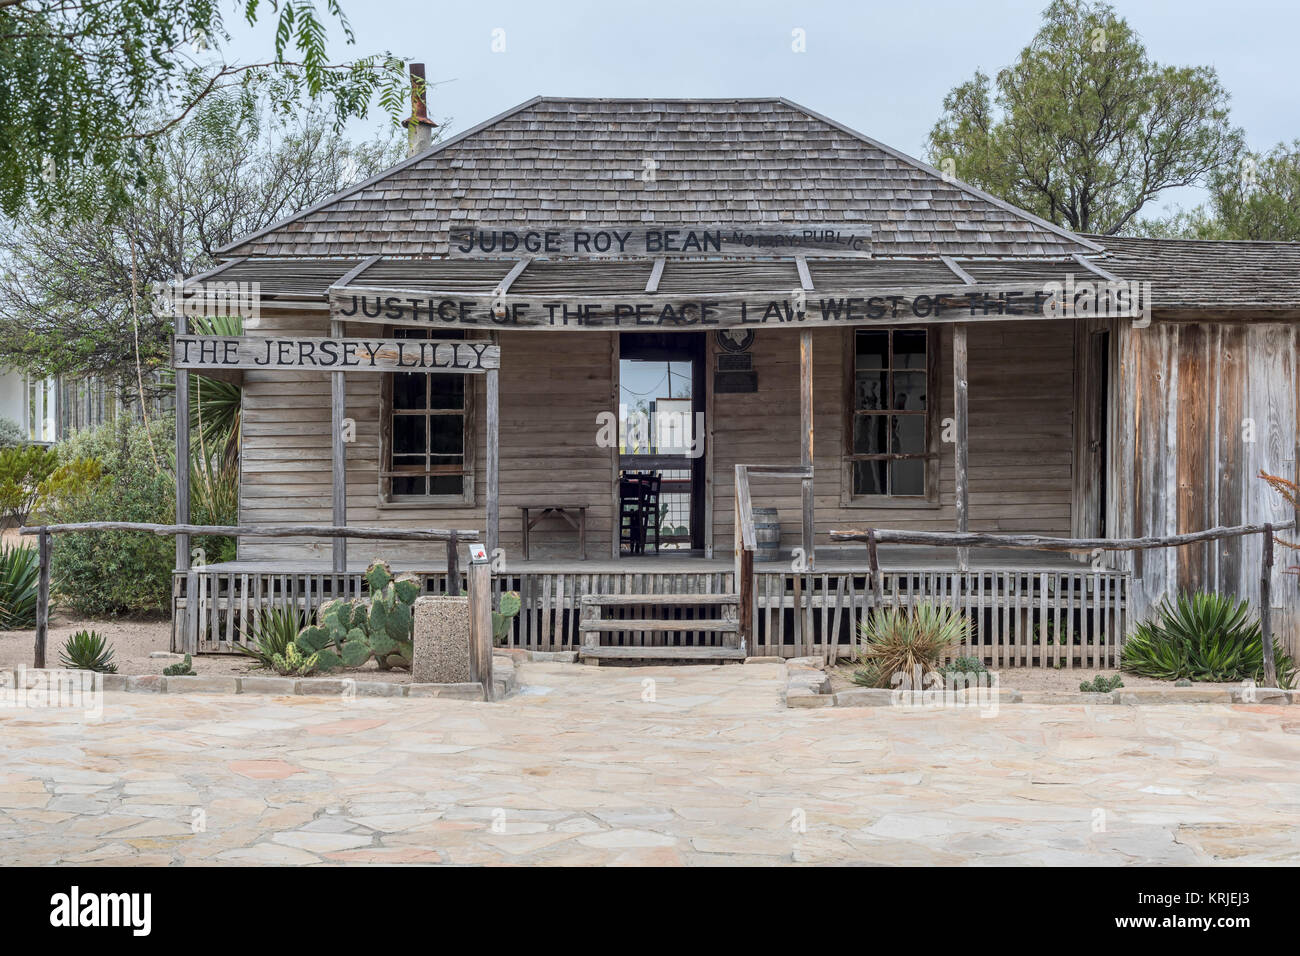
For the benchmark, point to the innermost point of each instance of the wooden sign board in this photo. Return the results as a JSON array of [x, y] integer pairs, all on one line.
[[652, 241], [217, 352], [643, 311]]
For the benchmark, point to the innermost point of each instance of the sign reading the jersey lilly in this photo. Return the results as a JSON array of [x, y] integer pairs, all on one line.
[[334, 355], [602, 242]]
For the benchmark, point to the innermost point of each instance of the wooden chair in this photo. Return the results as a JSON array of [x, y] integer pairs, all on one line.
[[631, 532], [650, 508]]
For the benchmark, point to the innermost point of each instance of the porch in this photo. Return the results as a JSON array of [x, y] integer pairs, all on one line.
[[1026, 608]]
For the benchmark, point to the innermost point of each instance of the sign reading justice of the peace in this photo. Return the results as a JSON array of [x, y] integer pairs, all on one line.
[[737, 310], [334, 355], [655, 240]]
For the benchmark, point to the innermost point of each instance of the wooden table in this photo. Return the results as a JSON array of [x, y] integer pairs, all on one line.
[[560, 509]]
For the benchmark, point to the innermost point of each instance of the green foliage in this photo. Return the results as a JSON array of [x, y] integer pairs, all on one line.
[[109, 572], [88, 651], [898, 641], [964, 668], [19, 576], [1101, 685], [349, 633], [11, 433], [1084, 128], [22, 471], [183, 668], [85, 81], [275, 630], [501, 619], [293, 663], [1203, 637]]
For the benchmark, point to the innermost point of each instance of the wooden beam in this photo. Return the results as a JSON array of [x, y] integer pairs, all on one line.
[[338, 459], [515, 272], [261, 531], [656, 273], [182, 454], [806, 443], [1095, 269], [1266, 608], [1040, 542], [479, 579], [960, 426], [805, 277], [957, 270], [355, 272], [493, 458], [42, 598]]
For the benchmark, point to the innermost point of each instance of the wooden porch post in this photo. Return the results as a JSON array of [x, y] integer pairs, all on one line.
[[806, 444], [493, 456], [1266, 608], [182, 451], [338, 459], [959, 399]]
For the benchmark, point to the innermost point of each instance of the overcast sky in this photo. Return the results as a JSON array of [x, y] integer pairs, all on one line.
[[881, 68]]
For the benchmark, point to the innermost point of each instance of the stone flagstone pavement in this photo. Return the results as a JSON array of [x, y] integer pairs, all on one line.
[[708, 768]]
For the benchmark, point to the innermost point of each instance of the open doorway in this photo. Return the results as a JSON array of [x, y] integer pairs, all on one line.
[[661, 383]]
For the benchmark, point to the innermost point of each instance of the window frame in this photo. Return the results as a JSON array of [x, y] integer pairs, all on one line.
[[467, 495], [931, 456]]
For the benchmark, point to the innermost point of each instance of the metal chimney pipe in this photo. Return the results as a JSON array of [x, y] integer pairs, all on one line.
[[419, 128]]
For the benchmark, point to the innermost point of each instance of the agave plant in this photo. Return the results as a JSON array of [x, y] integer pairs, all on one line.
[[275, 630], [19, 573], [1203, 637], [88, 651], [896, 641]]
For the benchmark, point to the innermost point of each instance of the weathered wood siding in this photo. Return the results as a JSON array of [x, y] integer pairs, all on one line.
[[554, 385], [1202, 409]]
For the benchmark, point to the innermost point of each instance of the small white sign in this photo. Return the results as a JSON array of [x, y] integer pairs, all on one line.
[[478, 553]]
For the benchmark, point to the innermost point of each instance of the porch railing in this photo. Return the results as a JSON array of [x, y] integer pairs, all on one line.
[[746, 538], [1088, 546]]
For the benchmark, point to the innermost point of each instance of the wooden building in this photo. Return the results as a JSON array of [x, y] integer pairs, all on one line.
[[675, 288]]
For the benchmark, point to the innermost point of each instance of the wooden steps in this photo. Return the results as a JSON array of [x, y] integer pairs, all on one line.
[[650, 638]]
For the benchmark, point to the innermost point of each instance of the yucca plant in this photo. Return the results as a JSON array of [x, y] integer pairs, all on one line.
[[1203, 637], [275, 630], [88, 651], [896, 641], [19, 574]]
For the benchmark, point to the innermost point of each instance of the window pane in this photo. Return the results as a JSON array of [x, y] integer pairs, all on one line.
[[907, 434], [408, 486], [408, 390], [869, 434], [446, 434], [872, 348], [408, 434], [909, 391], [446, 485], [870, 392], [907, 476], [909, 349], [869, 477], [446, 391]]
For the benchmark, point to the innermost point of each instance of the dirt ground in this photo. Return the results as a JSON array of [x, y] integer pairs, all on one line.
[[133, 641], [1037, 678]]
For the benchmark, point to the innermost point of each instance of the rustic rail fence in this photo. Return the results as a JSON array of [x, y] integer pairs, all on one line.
[[871, 537], [480, 658]]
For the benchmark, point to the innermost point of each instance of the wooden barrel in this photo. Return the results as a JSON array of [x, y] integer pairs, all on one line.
[[767, 534]]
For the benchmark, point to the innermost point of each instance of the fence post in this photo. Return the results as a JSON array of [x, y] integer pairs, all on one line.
[[42, 598], [873, 562], [453, 566], [480, 625], [1266, 610]]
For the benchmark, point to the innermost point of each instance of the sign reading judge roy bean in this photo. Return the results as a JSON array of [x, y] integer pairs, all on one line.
[[334, 355], [596, 242]]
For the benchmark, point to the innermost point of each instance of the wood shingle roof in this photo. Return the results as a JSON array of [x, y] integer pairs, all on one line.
[[667, 161]]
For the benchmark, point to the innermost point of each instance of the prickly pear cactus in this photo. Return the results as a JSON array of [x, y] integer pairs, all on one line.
[[349, 633], [509, 607]]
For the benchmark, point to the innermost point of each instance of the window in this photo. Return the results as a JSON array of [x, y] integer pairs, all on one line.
[[429, 444], [889, 435]]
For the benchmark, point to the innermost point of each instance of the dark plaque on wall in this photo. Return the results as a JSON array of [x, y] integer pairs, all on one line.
[[735, 374]]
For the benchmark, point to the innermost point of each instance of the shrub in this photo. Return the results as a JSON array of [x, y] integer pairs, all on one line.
[[183, 668], [275, 630], [894, 641], [1203, 637], [117, 572], [11, 433], [22, 472], [88, 651], [19, 575], [963, 669], [1101, 685]]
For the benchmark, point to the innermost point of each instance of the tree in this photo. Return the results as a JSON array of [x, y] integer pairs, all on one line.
[[90, 88], [66, 283], [1256, 198], [1084, 128]]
